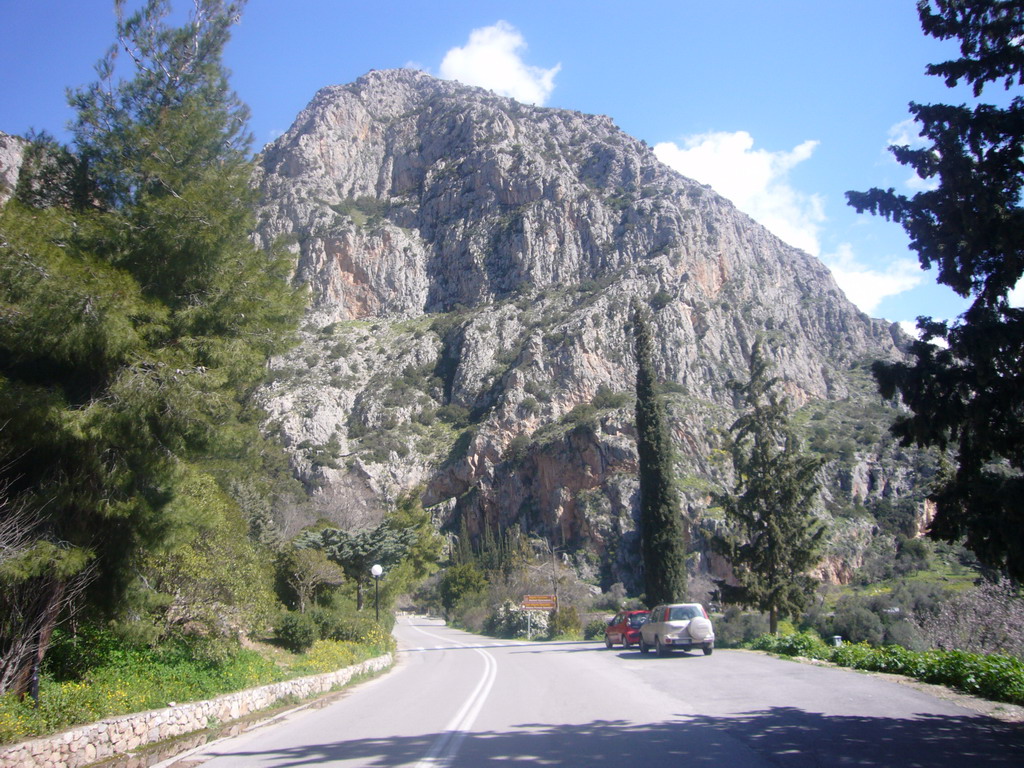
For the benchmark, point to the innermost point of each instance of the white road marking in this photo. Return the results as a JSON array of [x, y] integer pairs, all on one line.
[[447, 744]]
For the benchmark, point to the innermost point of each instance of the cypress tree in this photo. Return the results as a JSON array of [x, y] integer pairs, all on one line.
[[663, 539]]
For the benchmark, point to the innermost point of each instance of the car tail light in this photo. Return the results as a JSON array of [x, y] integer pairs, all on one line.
[[705, 612]]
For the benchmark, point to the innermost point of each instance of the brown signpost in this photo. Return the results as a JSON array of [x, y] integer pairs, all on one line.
[[540, 602]]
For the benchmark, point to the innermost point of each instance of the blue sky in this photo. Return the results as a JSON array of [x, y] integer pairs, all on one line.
[[781, 106]]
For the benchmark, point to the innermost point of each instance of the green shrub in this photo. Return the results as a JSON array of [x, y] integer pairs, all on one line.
[[459, 583], [853, 655], [564, 623], [19, 720], [71, 656], [358, 628], [328, 656], [806, 644], [995, 677], [906, 634], [594, 630], [511, 620], [296, 631], [896, 659], [529, 405], [738, 627], [857, 624], [97, 674], [456, 415], [660, 300], [605, 398], [116, 676]]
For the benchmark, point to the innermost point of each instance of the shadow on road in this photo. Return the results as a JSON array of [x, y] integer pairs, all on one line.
[[780, 736]]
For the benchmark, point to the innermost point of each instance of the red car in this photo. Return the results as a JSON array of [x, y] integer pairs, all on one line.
[[625, 628]]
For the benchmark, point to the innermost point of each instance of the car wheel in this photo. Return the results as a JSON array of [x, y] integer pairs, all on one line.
[[708, 649], [607, 642], [661, 649], [644, 647], [626, 643]]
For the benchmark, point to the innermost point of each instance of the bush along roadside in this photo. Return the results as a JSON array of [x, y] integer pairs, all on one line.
[[994, 677], [96, 675]]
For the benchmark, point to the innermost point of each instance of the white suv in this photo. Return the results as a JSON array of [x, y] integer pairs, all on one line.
[[679, 625]]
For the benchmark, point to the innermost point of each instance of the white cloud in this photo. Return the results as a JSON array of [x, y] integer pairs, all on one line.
[[1016, 295], [916, 184], [491, 59], [908, 133], [867, 287], [754, 179], [910, 328]]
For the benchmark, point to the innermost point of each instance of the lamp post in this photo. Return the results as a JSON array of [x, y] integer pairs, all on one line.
[[376, 571]]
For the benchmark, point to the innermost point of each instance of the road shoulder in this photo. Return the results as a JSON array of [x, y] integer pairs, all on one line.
[[998, 710]]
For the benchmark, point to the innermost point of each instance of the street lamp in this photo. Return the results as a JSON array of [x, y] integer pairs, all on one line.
[[376, 571]]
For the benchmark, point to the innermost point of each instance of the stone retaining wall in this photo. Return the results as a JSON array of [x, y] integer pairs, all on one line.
[[88, 743]]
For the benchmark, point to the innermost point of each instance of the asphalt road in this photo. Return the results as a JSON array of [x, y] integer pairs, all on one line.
[[460, 700]]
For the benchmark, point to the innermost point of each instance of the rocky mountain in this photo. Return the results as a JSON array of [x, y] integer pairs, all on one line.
[[12, 153], [472, 262]]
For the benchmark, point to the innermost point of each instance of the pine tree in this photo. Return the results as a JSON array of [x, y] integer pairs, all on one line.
[[356, 553], [771, 538], [965, 393], [137, 315], [663, 539]]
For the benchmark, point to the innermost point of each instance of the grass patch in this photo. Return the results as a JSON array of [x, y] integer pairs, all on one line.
[[95, 675]]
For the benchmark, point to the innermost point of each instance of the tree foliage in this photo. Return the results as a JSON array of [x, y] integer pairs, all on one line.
[[771, 538], [663, 537], [505, 553], [966, 393], [459, 582], [211, 578], [426, 547], [356, 552], [306, 571], [136, 316]]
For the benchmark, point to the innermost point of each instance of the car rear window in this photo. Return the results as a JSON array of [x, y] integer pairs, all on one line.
[[638, 620], [684, 612]]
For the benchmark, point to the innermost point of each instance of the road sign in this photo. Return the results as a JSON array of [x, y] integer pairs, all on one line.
[[540, 602]]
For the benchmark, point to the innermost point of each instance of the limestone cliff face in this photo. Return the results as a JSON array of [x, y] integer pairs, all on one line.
[[12, 153], [472, 262]]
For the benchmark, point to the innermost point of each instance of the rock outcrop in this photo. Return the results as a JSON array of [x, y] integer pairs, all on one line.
[[12, 154]]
